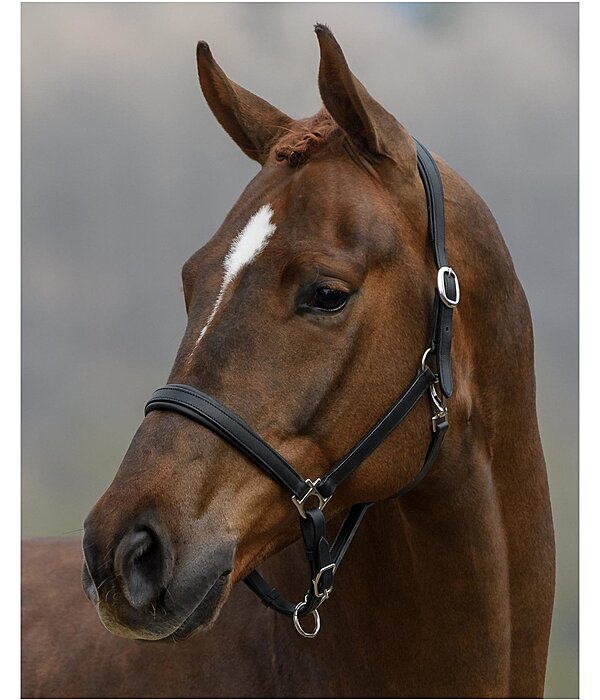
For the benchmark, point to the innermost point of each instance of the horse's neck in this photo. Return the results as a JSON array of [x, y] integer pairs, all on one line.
[[424, 584]]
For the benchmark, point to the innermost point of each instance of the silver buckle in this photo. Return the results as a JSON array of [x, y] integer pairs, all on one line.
[[315, 582], [314, 491], [441, 286], [441, 410], [441, 413]]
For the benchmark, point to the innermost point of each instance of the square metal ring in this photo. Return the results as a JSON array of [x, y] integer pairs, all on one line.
[[313, 491]]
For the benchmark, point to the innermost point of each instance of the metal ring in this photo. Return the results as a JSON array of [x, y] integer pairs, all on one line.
[[298, 626], [423, 365]]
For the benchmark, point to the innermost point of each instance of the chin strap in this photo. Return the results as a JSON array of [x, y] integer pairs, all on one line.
[[310, 497]]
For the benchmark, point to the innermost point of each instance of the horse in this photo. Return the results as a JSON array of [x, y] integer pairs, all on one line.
[[307, 312]]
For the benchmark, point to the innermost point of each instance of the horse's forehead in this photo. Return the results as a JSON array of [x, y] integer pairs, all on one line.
[[333, 187], [329, 200], [321, 203]]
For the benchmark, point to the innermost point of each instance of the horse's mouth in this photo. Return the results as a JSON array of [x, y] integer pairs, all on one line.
[[205, 613], [201, 616]]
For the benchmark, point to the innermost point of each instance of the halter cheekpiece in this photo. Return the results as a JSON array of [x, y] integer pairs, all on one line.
[[324, 559]]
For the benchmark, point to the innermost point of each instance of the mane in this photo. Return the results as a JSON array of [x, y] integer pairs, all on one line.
[[308, 136]]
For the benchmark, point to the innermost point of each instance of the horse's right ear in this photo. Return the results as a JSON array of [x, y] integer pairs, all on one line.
[[367, 123], [251, 122]]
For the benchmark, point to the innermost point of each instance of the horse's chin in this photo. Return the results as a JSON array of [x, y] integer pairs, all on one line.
[[205, 613], [202, 617]]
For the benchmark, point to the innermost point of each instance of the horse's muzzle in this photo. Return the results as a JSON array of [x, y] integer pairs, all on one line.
[[144, 587]]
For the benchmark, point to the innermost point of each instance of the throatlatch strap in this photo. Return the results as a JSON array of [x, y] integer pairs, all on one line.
[[430, 457], [377, 434]]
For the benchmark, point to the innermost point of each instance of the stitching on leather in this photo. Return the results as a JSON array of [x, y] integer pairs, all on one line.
[[236, 420], [258, 457], [231, 416]]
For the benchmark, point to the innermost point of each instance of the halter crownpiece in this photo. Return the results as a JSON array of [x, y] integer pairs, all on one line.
[[324, 559]]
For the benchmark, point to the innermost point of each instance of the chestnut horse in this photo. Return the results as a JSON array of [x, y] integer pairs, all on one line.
[[308, 312]]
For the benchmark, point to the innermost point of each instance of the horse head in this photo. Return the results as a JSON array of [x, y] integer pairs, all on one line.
[[307, 311]]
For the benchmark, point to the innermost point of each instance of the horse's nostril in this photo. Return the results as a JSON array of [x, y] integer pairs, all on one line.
[[138, 544], [141, 565]]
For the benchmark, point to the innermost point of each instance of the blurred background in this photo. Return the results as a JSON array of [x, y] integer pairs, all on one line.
[[126, 173]]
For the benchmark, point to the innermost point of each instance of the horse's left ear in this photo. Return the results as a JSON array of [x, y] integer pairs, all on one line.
[[366, 122]]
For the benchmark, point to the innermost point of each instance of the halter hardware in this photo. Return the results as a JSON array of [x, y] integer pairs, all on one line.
[[298, 626], [312, 491], [440, 415], [315, 582], [324, 559], [441, 410], [450, 299]]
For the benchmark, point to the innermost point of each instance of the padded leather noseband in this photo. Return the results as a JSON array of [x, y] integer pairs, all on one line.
[[324, 559]]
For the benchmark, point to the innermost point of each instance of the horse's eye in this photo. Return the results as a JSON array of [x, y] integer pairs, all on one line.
[[328, 299]]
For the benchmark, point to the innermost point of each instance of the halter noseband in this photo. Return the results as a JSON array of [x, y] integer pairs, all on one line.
[[324, 559]]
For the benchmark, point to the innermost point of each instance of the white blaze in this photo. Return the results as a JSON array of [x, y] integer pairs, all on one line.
[[249, 242]]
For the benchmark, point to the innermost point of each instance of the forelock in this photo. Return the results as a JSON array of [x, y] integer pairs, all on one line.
[[308, 136]]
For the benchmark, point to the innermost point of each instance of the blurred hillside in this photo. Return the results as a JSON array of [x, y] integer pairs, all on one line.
[[126, 173]]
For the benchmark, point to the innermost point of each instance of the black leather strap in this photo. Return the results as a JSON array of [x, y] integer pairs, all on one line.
[[442, 337], [434, 191], [430, 457], [207, 411], [443, 349], [318, 555], [441, 344], [347, 531], [272, 597], [377, 434], [269, 595]]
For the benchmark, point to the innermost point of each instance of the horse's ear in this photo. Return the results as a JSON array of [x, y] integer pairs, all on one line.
[[366, 122], [251, 122]]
